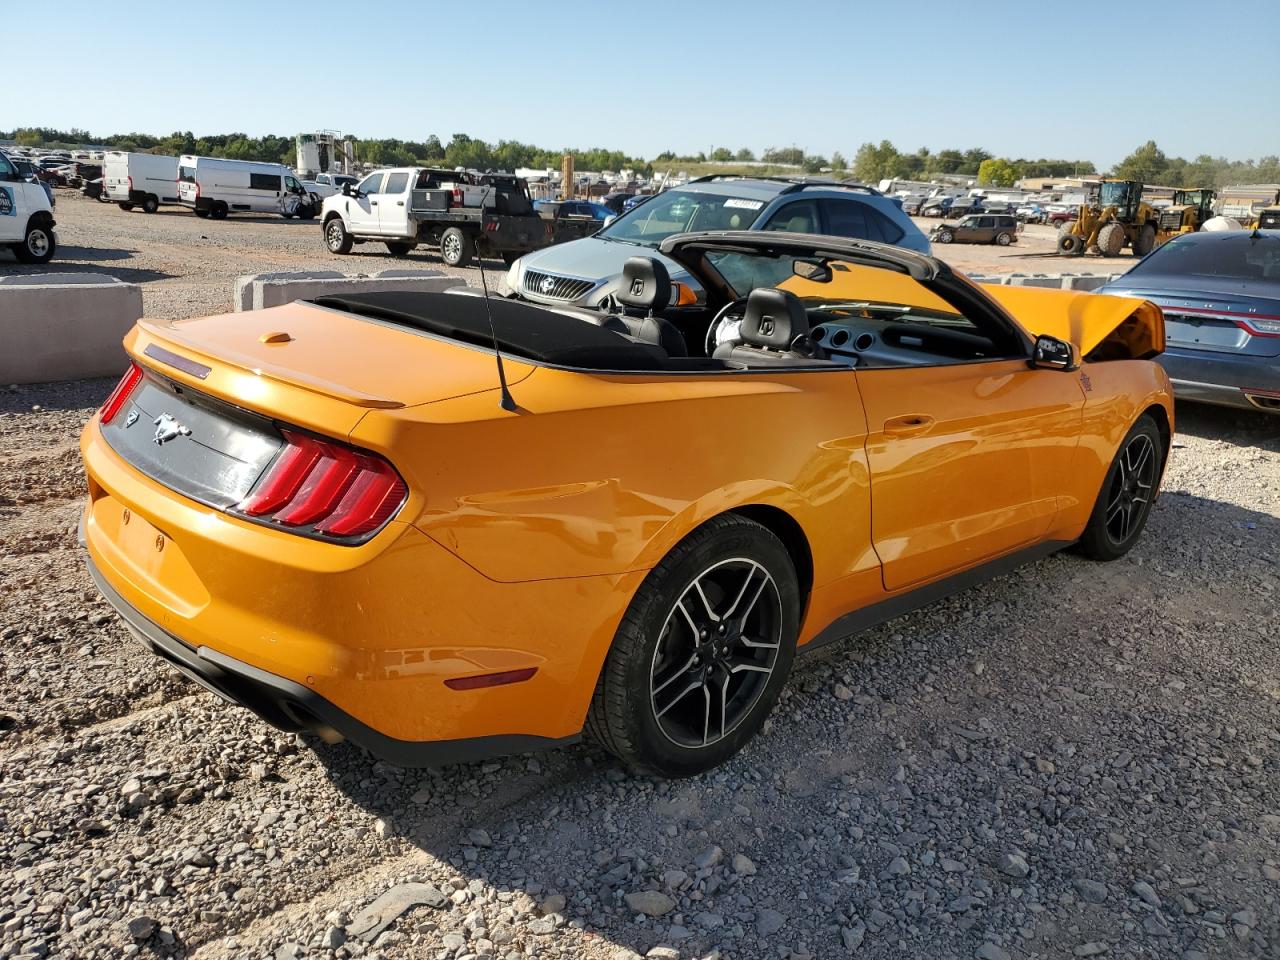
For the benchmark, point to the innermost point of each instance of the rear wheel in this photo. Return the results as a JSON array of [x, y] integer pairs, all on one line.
[[202, 214], [38, 245], [1111, 239], [702, 653], [1145, 242], [151, 204], [336, 237], [219, 211], [399, 248], [1004, 239], [125, 206], [456, 248], [1127, 493]]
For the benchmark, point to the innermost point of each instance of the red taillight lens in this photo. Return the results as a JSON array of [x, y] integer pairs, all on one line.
[[131, 186], [325, 488], [457, 198], [132, 377]]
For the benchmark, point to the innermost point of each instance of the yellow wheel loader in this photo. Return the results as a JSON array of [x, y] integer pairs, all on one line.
[[1186, 214], [1119, 219]]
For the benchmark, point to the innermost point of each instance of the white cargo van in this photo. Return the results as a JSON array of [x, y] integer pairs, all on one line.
[[26, 216], [213, 187], [143, 180]]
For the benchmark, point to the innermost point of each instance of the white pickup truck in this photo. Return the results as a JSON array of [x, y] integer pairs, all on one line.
[[465, 215], [26, 216]]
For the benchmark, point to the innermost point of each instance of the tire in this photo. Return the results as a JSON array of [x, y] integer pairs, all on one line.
[[1004, 239], [510, 258], [1069, 243], [336, 238], [38, 244], [308, 212], [1124, 502], [666, 644], [399, 248], [126, 207], [1111, 239], [202, 214], [151, 204], [456, 249], [945, 236], [218, 211], [1145, 242]]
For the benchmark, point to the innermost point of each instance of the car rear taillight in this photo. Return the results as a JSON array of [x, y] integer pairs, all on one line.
[[458, 200], [132, 377], [323, 488], [131, 186], [1260, 326]]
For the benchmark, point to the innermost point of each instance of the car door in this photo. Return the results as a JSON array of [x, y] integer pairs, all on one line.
[[362, 209], [393, 208], [799, 216], [966, 460], [12, 201], [966, 229]]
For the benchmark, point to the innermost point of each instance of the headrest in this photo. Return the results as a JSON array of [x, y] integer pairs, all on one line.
[[773, 318], [645, 285]]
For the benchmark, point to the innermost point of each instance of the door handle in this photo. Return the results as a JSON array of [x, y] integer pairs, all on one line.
[[399, 203], [373, 203], [908, 425]]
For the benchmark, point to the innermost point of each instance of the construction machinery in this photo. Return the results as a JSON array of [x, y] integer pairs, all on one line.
[[1120, 218], [1269, 217], [1187, 213]]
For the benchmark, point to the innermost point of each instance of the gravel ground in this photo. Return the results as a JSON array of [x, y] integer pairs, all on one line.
[[1074, 760], [187, 266]]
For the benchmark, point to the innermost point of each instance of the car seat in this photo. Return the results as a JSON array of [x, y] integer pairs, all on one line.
[[643, 295], [774, 331]]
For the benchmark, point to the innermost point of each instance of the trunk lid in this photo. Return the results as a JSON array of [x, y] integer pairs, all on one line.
[[359, 361]]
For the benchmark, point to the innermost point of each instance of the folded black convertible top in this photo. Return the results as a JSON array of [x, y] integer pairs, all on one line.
[[522, 330]]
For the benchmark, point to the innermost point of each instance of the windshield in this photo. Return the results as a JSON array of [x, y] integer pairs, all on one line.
[[680, 211], [1238, 257], [1113, 193]]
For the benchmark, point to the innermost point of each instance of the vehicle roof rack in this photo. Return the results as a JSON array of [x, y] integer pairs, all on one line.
[[796, 183]]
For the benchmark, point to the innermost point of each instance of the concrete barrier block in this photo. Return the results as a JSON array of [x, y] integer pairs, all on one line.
[[263, 290], [64, 326], [1086, 281]]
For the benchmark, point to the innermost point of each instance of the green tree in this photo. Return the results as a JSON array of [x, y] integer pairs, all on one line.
[[722, 154], [838, 163], [814, 163], [744, 155], [1147, 164], [875, 162], [997, 172]]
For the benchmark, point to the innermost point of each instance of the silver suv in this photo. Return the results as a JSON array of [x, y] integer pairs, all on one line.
[[586, 272]]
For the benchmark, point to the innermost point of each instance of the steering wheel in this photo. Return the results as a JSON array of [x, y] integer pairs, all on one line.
[[726, 323]]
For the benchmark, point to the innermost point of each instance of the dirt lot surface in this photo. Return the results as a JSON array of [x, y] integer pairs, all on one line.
[[1074, 760], [187, 267]]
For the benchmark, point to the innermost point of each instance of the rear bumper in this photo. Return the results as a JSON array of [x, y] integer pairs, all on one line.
[[291, 707], [1232, 380]]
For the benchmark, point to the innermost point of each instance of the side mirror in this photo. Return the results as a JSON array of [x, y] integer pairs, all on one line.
[[608, 220], [1050, 353], [348, 190]]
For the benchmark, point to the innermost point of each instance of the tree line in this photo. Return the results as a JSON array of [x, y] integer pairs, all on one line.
[[461, 150]]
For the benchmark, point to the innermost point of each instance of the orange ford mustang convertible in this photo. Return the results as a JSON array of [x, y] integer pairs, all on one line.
[[338, 515]]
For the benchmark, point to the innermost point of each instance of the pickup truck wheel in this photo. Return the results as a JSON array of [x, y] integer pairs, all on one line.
[[456, 248], [219, 211], [336, 237], [125, 206], [38, 245], [150, 204], [399, 248]]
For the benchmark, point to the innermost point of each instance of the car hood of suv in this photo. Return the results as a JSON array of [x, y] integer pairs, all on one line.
[[598, 259]]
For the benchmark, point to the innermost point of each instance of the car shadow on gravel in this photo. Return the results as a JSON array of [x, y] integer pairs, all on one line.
[[1228, 424], [1005, 766], [94, 254], [127, 274]]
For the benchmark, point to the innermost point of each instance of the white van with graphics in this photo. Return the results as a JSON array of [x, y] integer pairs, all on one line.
[[213, 187], [143, 180], [26, 216]]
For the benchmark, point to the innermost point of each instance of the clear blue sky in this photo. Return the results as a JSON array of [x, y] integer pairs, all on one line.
[[1089, 80]]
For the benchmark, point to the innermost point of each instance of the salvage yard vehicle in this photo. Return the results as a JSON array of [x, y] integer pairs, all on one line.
[[588, 272], [445, 525], [143, 180], [1120, 218], [213, 187], [1220, 293], [407, 206], [1001, 229], [1186, 213], [26, 216]]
